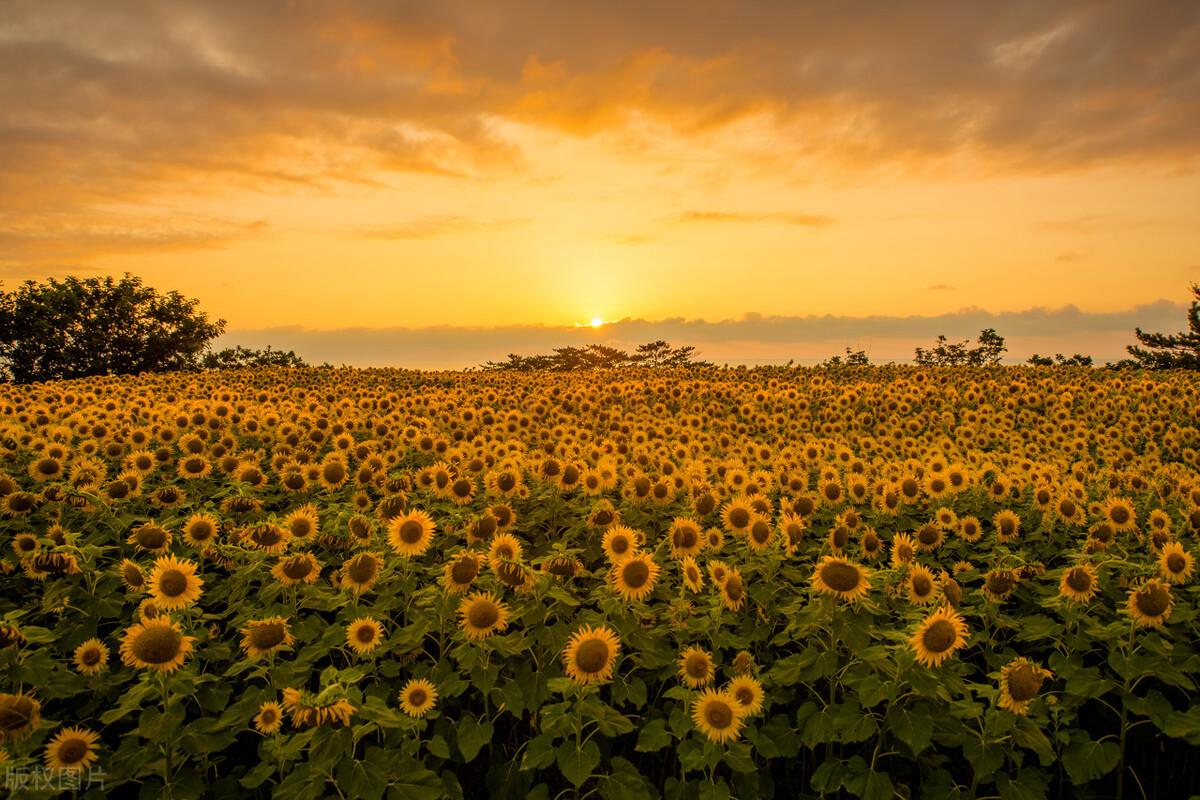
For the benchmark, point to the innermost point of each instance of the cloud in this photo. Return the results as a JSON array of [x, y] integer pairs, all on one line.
[[752, 338], [940, 287], [1071, 256], [802, 220], [432, 227]]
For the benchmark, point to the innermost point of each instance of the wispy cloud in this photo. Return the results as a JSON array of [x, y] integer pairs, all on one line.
[[721, 217], [940, 287], [432, 227]]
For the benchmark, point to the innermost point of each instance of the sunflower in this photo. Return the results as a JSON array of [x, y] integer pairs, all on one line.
[[792, 528], [693, 577], [904, 549], [1175, 563], [718, 715], [737, 516], [411, 534], [743, 663], [562, 567], [91, 657], [1007, 524], [748, 693], [591, 653], [841, 578], [733, 590], [155, 644], [364, 634], [685, 537], [303, 522], [921, 585], [324, 709], [299, 568], [460, 573], [1150, 604], [714, 539], [200, 530], [482, 615], [72, 749], [970, 529], [360, 572], [504, 547], [20, 715], [417, 697], [634, 577], [267, 537], [1120, 513], [192, 467], [718, 571], [1020, 682], [760, 534], [999, 584], [269, 718], [10, 635], [174, 584], [696, 667], [150, 538], [1078, 583], [619, 542], [261, 637], [25, 544], [333, 474], [938, 636]]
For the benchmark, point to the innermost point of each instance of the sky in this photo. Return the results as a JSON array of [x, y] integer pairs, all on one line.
[[441, 183]]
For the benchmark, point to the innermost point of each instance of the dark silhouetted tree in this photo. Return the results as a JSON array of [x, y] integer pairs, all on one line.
[[1171, 351], [598, 356], [76, 328], [240, 357], [854, 358], [1059, 360], [989, 349]]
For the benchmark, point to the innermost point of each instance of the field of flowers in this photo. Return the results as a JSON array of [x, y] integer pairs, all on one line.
[[881, 582]]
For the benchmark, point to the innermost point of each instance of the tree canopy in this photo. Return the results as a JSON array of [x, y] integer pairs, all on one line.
[[79, 327], [1171, 351], [989, 349], [241, 357], [597, 356]]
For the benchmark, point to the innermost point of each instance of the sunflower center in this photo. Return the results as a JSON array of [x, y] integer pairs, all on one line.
[[1067, 508], [739, 517], [506, 482], [417, 697], [603, 517], [744, 695], [760, 532], [201, 531], [697, 666], [265, 637], [1119, 515], [464, 570], [718, 715], [928, 535], [173, 583], [733, 588], [461, 488], [921, 585], [365, 634], [411, 532], [686, 537], [1153, 601], [635, 574], [15, 713], [90, 657], [483, 614], [940, 636], [1024, 682], [1176, 563], [297, 568], [72, 751], [1079, 580], [592, 655], [999, 584], [841, 577], [157, 645], [361, 570], [151, 538], [511, 574]]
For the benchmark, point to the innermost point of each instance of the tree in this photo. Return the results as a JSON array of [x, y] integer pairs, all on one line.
[[240, 357], [77, 328], [1171, 351], [854, 358], [988, 352], [598, 356], [1059, 360]]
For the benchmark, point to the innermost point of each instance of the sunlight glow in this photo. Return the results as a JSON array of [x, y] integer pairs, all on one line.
[[597, 322]]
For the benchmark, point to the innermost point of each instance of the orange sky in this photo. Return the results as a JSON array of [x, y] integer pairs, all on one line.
[[543, 163]]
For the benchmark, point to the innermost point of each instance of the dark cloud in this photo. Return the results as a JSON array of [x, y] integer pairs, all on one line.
[[754, 337]]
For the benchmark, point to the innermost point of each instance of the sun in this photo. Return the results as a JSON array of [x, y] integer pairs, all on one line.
[[596, 322]]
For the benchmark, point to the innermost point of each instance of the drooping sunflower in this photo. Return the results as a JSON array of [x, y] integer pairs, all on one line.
[[619, 542], [296, 569], [364, 634], [841, 578], [174, 584], [921, 585], [91, 657], [411, 534], [718, 715], [591, 653], [269, 718], [748, 693], [696, 667], [460, 573], [150, 538], [327, 708], [939, 636], [72, 749], [1150, 604], [1175, 563], [634, 577], [200, 530], [20, 715], [1078, 583], [360, 572], [10, 635], [482, 615], [693, 577], [155, 644], [417, 697], [999, 584], [504, 547], [1120, 513], [262, 637], [1020, 682]]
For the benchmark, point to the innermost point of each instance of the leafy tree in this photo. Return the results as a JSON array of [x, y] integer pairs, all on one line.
[[598, 356], [1171, 351], [240, 357], [77, 328], [990, 348], [1059, 360], [854, 358]]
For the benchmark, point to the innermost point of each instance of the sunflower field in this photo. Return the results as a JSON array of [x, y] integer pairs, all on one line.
[[850, 582]]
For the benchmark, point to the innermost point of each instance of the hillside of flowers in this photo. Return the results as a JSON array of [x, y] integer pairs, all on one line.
[[857, 582]]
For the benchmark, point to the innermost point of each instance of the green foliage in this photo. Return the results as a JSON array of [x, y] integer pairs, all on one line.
[[990, 348], [1171, 351]]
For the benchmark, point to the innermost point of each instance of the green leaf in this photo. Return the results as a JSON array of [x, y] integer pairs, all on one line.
[[1028, 734], [653, 736], [915, 731], [473, 734], [439, 747], [1086, 760], [577, 765], [539, 753], [1183, 725]]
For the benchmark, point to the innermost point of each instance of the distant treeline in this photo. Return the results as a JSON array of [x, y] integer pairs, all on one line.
[[598, 356]]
